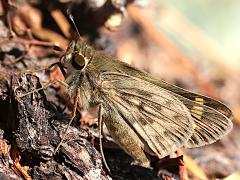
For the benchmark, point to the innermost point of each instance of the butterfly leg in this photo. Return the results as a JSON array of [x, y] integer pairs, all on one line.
[[26, 71], [100, 124], [45, 86], [71, 120]]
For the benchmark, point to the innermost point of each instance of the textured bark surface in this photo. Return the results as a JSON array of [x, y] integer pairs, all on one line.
[[37, 127]]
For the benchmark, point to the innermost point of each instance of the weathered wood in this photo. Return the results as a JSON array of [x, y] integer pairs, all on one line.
[[37, 131]]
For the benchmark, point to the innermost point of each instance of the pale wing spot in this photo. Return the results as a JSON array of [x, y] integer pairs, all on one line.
[[199, 100], [135, 101], [148, 109], [197, 111]]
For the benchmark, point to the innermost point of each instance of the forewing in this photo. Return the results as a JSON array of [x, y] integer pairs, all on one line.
[[211, 124], [158, 117], [207, 101]]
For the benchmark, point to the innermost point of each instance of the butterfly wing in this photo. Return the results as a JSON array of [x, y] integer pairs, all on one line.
[[162, 121], [212, 118], [207, 101], [211, 124], [117, 66]]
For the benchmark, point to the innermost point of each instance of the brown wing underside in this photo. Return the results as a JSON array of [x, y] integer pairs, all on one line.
[[159, 118], [210, 124]]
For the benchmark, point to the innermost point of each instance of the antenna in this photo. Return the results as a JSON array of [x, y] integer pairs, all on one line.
[[72, 19]]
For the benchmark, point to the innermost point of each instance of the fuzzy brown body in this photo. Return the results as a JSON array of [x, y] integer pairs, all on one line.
[[143, 114]]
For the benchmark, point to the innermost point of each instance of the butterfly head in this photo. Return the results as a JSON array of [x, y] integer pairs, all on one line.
[[78, 55]]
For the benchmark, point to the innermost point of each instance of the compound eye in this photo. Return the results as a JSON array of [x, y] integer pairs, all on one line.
[[78, 61]]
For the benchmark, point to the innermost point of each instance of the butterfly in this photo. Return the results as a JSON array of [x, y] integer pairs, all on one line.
[[144, 115]]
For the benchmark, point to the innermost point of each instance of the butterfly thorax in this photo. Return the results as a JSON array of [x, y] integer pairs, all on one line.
[[86, 83]]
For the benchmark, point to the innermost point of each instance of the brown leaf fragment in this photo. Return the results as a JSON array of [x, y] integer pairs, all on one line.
[[21, 169], [61, 20], [6, 162], [172, 167], [4, 147]]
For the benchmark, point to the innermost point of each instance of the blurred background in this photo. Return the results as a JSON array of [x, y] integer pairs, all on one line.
[[217, 19], [192, 44]]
